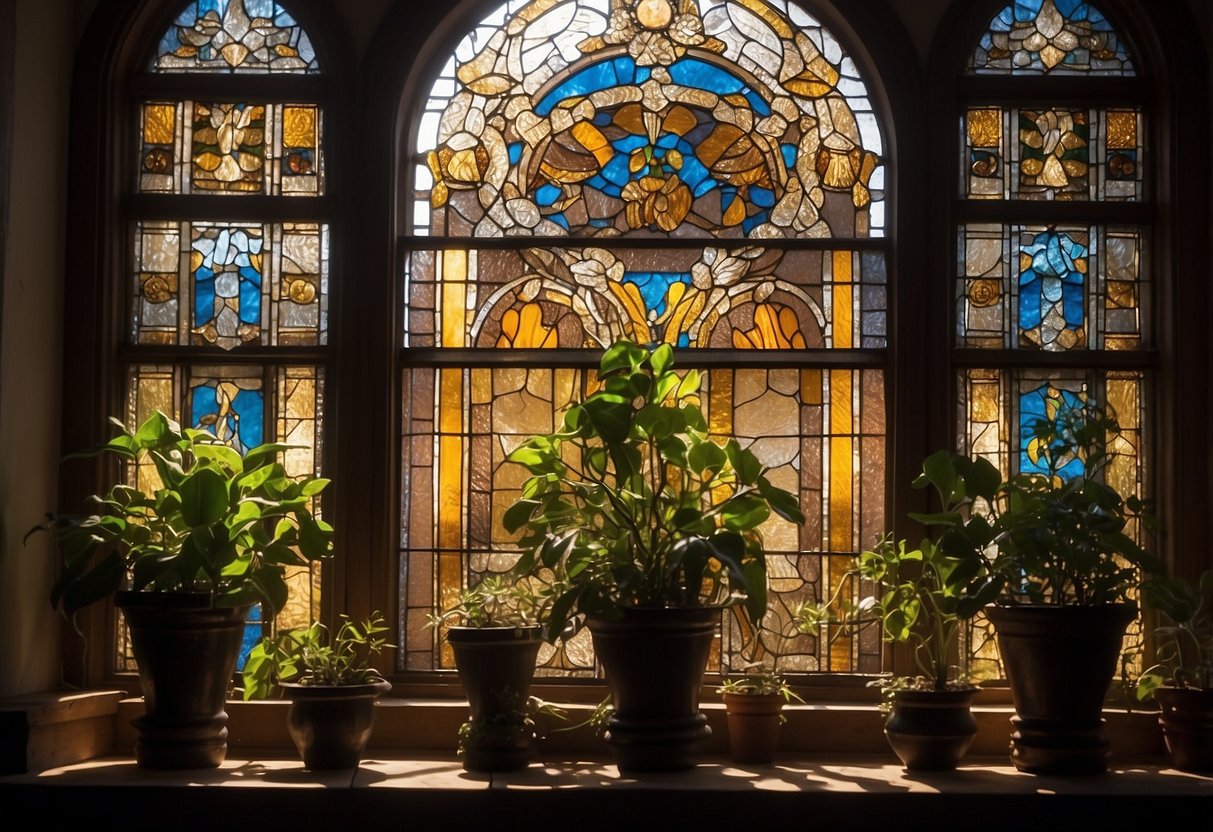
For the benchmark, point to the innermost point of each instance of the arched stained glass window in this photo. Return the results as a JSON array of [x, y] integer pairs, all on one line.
[[705, 174], [228, 222], [1053, 279]]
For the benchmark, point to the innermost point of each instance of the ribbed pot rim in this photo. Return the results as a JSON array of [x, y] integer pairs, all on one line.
[[958, 697], [294, 690], [475, 635]]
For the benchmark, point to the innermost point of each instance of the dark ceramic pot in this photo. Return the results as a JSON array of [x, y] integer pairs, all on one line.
[[753, 726], [496, 665], [1059, 662], [1187, 727], [186, 651], [331, 725], [930, 730], [654, 660]]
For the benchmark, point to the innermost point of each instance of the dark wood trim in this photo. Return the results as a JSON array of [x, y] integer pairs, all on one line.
[[701, 358], [410, 242], [1052, 212], [250, 208]]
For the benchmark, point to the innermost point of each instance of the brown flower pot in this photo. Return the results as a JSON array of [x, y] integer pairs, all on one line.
[[1187, 727], [930, 730], [1059, 662], [330, 725], [753, 726], [186, 651], [496, 665], [654, 660]]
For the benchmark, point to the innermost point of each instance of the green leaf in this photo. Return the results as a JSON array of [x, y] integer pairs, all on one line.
[[154, 429], [518, 515], [203, 497], [662, 359], [314, 486], [314, 540], [745, 512], [622, 355]]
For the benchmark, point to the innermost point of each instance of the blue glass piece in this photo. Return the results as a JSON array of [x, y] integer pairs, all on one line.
[[642, 74], [629, 143], [252, 634], [1052, 277], [667, 140], [1034, 408], [249, 405], [789, 154], [691, 72], [547, 194], [762, 197], [515, 151], [625, 70], [242, 422], [560, 220], [684, 340], [204, 295], [250, 295], [1072, 303], [750, 223], [599, 222], [616, 170], [599, 184], [1027, 10], [600, 76], [655, 287]]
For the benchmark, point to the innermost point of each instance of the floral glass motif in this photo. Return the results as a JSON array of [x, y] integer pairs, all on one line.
[[235, 36], [1050, 287], [1060, 153], [589, 117], [1055, 408], [1036, 37], [231, 148], [740, 298]]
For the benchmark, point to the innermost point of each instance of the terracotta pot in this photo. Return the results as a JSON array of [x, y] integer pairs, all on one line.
[[186, 651], [331, 725], [753, 726], [1187, 727], [1059, 662], [654, 660], [496, 665], [930, 730]]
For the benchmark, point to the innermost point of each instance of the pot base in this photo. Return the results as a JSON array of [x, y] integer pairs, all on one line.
[[179, 743], [1055, 746], [931, 730], [657, 745]]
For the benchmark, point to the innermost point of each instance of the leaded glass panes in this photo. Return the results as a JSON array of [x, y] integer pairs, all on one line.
[[231, 148], [229, 284], [810, 426], [1055, 288], [742, 118], [1060, 153], [748, 298], [254, 36], [1058, 37], [646, 126]]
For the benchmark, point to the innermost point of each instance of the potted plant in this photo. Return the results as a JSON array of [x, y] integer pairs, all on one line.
[[646, 527], [1066, 569], [1182, 681], [330, 684], [493, 630], [753, 704], [184, 562]]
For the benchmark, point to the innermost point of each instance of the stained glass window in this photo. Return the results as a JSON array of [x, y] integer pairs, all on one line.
[[228, 308], [705, 174], [1053, 257]]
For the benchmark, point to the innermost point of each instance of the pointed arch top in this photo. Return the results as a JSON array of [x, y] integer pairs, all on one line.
[[1051, 37], [235, 36]]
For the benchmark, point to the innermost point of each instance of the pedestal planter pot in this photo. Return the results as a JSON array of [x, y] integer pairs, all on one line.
[[1059, 662], [496, 665], [654, 659], [753, 726], [931, 730], [330, 725], [186, 651], [1187, 727]]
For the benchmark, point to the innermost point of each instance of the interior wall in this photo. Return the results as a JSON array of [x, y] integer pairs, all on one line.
[[31, 335]]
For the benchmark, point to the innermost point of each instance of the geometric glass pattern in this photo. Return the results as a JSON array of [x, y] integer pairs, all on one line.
[[238, 36], [1056, 37], [715, 171], [1059, 153], [730, 119], [1054, 288], [231, 148]]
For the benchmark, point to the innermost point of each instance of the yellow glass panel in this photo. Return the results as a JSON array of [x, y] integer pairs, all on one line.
[[720, 393], [454, 297], [450, 406], [1122, 130], [450, 492], [985, 128], [158, 123], [843, 300], [810, 387], [299, 127], [1124, 398]]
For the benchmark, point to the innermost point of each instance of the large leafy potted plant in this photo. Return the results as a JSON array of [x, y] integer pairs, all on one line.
[[1182, 681], [1067, 567], [646, 527], [330, 683], [184, 562], [494, 632]]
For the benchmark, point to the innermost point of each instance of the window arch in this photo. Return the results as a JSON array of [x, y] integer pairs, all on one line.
[[710, 175]]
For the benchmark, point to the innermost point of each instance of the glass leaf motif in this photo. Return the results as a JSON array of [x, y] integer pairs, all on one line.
[[713, 118], [1037, 37], [254, 36], [740, 298]]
